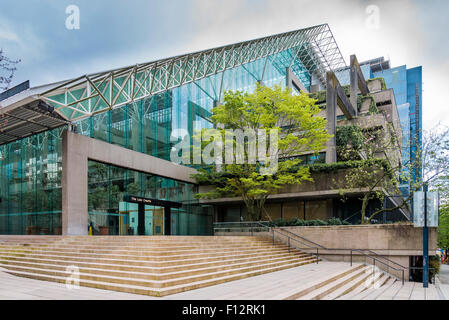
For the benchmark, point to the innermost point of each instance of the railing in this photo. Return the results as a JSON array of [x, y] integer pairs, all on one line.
[[317, 247], [421, 268], [292, 238], [250, 227]]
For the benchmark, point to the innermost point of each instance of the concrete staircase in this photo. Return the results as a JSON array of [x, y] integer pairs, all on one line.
[[345, 284], [156, 265]]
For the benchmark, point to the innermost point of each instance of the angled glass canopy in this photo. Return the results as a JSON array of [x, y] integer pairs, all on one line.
[[90, 94]]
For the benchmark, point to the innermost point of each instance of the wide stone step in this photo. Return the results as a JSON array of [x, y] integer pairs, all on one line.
[[156, 265], [149, 263], [375, 280], [334, 285], [143, 250], [136, 289], [373, 293], [155, 283], [376, 283], [141, 244], [126, 265], [132, 240], [148, 257], [316, 285], [151, 274], [356, 283]]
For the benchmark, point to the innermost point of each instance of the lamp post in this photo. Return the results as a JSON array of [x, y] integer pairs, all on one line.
[[425, 246]]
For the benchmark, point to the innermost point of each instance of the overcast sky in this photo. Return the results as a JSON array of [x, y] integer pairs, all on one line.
[[119, 33]]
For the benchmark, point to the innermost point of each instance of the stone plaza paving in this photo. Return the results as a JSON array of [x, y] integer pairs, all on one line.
[[272, 286]]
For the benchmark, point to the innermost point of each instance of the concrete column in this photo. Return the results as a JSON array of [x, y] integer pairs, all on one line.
[[74, 186], [329, 208], [292, 80], [331, 117], [353, 84], [288, 78], [77, 150]]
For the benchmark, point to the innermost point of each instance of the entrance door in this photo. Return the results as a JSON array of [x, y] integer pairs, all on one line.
[[140, 219], [158, 220]]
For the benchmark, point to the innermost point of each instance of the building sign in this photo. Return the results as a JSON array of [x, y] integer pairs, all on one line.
[[432, 209], [152, 202], [139, 200]]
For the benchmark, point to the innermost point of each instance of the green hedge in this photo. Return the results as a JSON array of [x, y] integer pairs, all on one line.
[[331, 167], [372, 107], [382, 80], [306, 223], [349, 134]]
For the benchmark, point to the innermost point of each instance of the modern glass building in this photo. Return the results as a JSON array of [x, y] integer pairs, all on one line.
[[407, 86], [117, 180]]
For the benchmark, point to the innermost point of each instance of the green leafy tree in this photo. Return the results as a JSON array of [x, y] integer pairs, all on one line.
[[7, 70], [294, 120], [376, 179], [443, 229]]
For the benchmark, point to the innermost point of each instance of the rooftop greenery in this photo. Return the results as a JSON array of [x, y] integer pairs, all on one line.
[[382, 80], [320, 97]]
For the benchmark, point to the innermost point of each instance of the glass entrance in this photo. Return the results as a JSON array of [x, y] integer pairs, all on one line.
[[134, 222]]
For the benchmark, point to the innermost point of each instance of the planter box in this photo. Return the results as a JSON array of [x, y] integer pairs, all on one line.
[[104, 231], [33, 230], [57, 230]]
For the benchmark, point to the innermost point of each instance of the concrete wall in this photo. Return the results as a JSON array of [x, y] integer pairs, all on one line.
[[396, 242], [77, 150]]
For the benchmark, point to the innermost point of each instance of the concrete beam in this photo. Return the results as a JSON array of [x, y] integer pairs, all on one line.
[[335, 96], [77, 150], [357, 81], [292, 80], [343, 102], [331, 117]]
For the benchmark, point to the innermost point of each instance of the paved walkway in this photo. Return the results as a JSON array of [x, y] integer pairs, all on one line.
[[443, 280], [272, 286], [444, 274]]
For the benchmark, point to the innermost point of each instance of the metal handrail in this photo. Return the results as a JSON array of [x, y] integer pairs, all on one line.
[[374, 262], [382, 257], [291, 236], [247, 225], [298, 236], [317, 246], [421, 268]]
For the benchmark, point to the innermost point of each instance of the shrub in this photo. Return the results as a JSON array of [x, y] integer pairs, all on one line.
[[334, 222], [296, 222], [279, 223], [316, 223], [434, 262]]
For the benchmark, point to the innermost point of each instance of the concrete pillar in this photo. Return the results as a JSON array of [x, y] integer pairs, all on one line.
[[74, 186], [288, 78], [329, 208], [331, 117], [354, 82]]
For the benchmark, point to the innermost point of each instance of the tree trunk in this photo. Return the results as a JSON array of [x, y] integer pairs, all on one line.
[[363, 211]]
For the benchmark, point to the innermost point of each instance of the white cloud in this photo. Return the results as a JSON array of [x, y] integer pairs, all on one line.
[[399, 38], [8, 35], [405, 36]]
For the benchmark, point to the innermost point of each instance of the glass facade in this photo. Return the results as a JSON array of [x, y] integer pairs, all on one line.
[[109, 214], [407, 88], [30, 184], [31, 168]]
